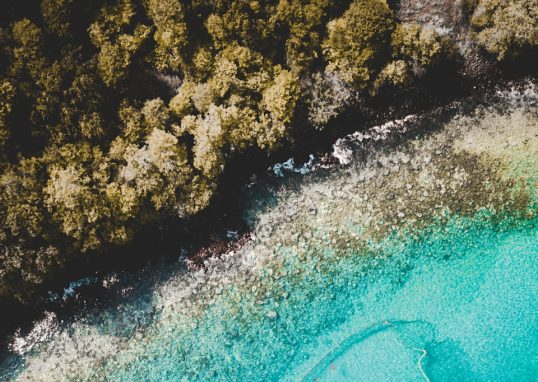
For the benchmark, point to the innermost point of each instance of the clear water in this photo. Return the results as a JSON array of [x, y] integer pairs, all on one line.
[[416, 263], [468, 297]]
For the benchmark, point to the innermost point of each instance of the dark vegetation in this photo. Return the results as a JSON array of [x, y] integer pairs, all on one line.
[[121, 116]]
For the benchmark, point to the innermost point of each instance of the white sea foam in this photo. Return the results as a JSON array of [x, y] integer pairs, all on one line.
[[343, 149]]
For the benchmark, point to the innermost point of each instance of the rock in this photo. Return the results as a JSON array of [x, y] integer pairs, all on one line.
[[272, 314]]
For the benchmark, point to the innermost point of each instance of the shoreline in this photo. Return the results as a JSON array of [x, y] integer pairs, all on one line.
[[297, 258], [205, 235], [467, 75]]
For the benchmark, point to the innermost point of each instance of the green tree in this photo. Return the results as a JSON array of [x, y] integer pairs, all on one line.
[[244, 22], [27, 54], [116, 58], [422, 46], [506, 28], [57, 16], [21, 198], [81, 110], [7, 92], [358, 41], [303, 24], [117, 45], [78, 175], [116, 113], [395, 73], [279, 101], [170, 35]]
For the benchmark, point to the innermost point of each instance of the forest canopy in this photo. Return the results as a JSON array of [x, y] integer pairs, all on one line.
[[506, 28], [115, 113]]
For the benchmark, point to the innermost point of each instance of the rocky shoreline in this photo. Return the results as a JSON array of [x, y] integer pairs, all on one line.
[[319, 241], [474, 77], [222, 228]]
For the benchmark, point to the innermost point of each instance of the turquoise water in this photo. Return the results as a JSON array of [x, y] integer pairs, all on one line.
[[463, 301], [474, 316], [417, 263], [467, 296]]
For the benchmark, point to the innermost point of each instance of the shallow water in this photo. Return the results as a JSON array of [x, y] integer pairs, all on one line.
[[415, 263]]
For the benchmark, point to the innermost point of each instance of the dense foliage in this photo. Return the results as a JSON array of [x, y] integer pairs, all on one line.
[[506, 28], [114, 113]]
